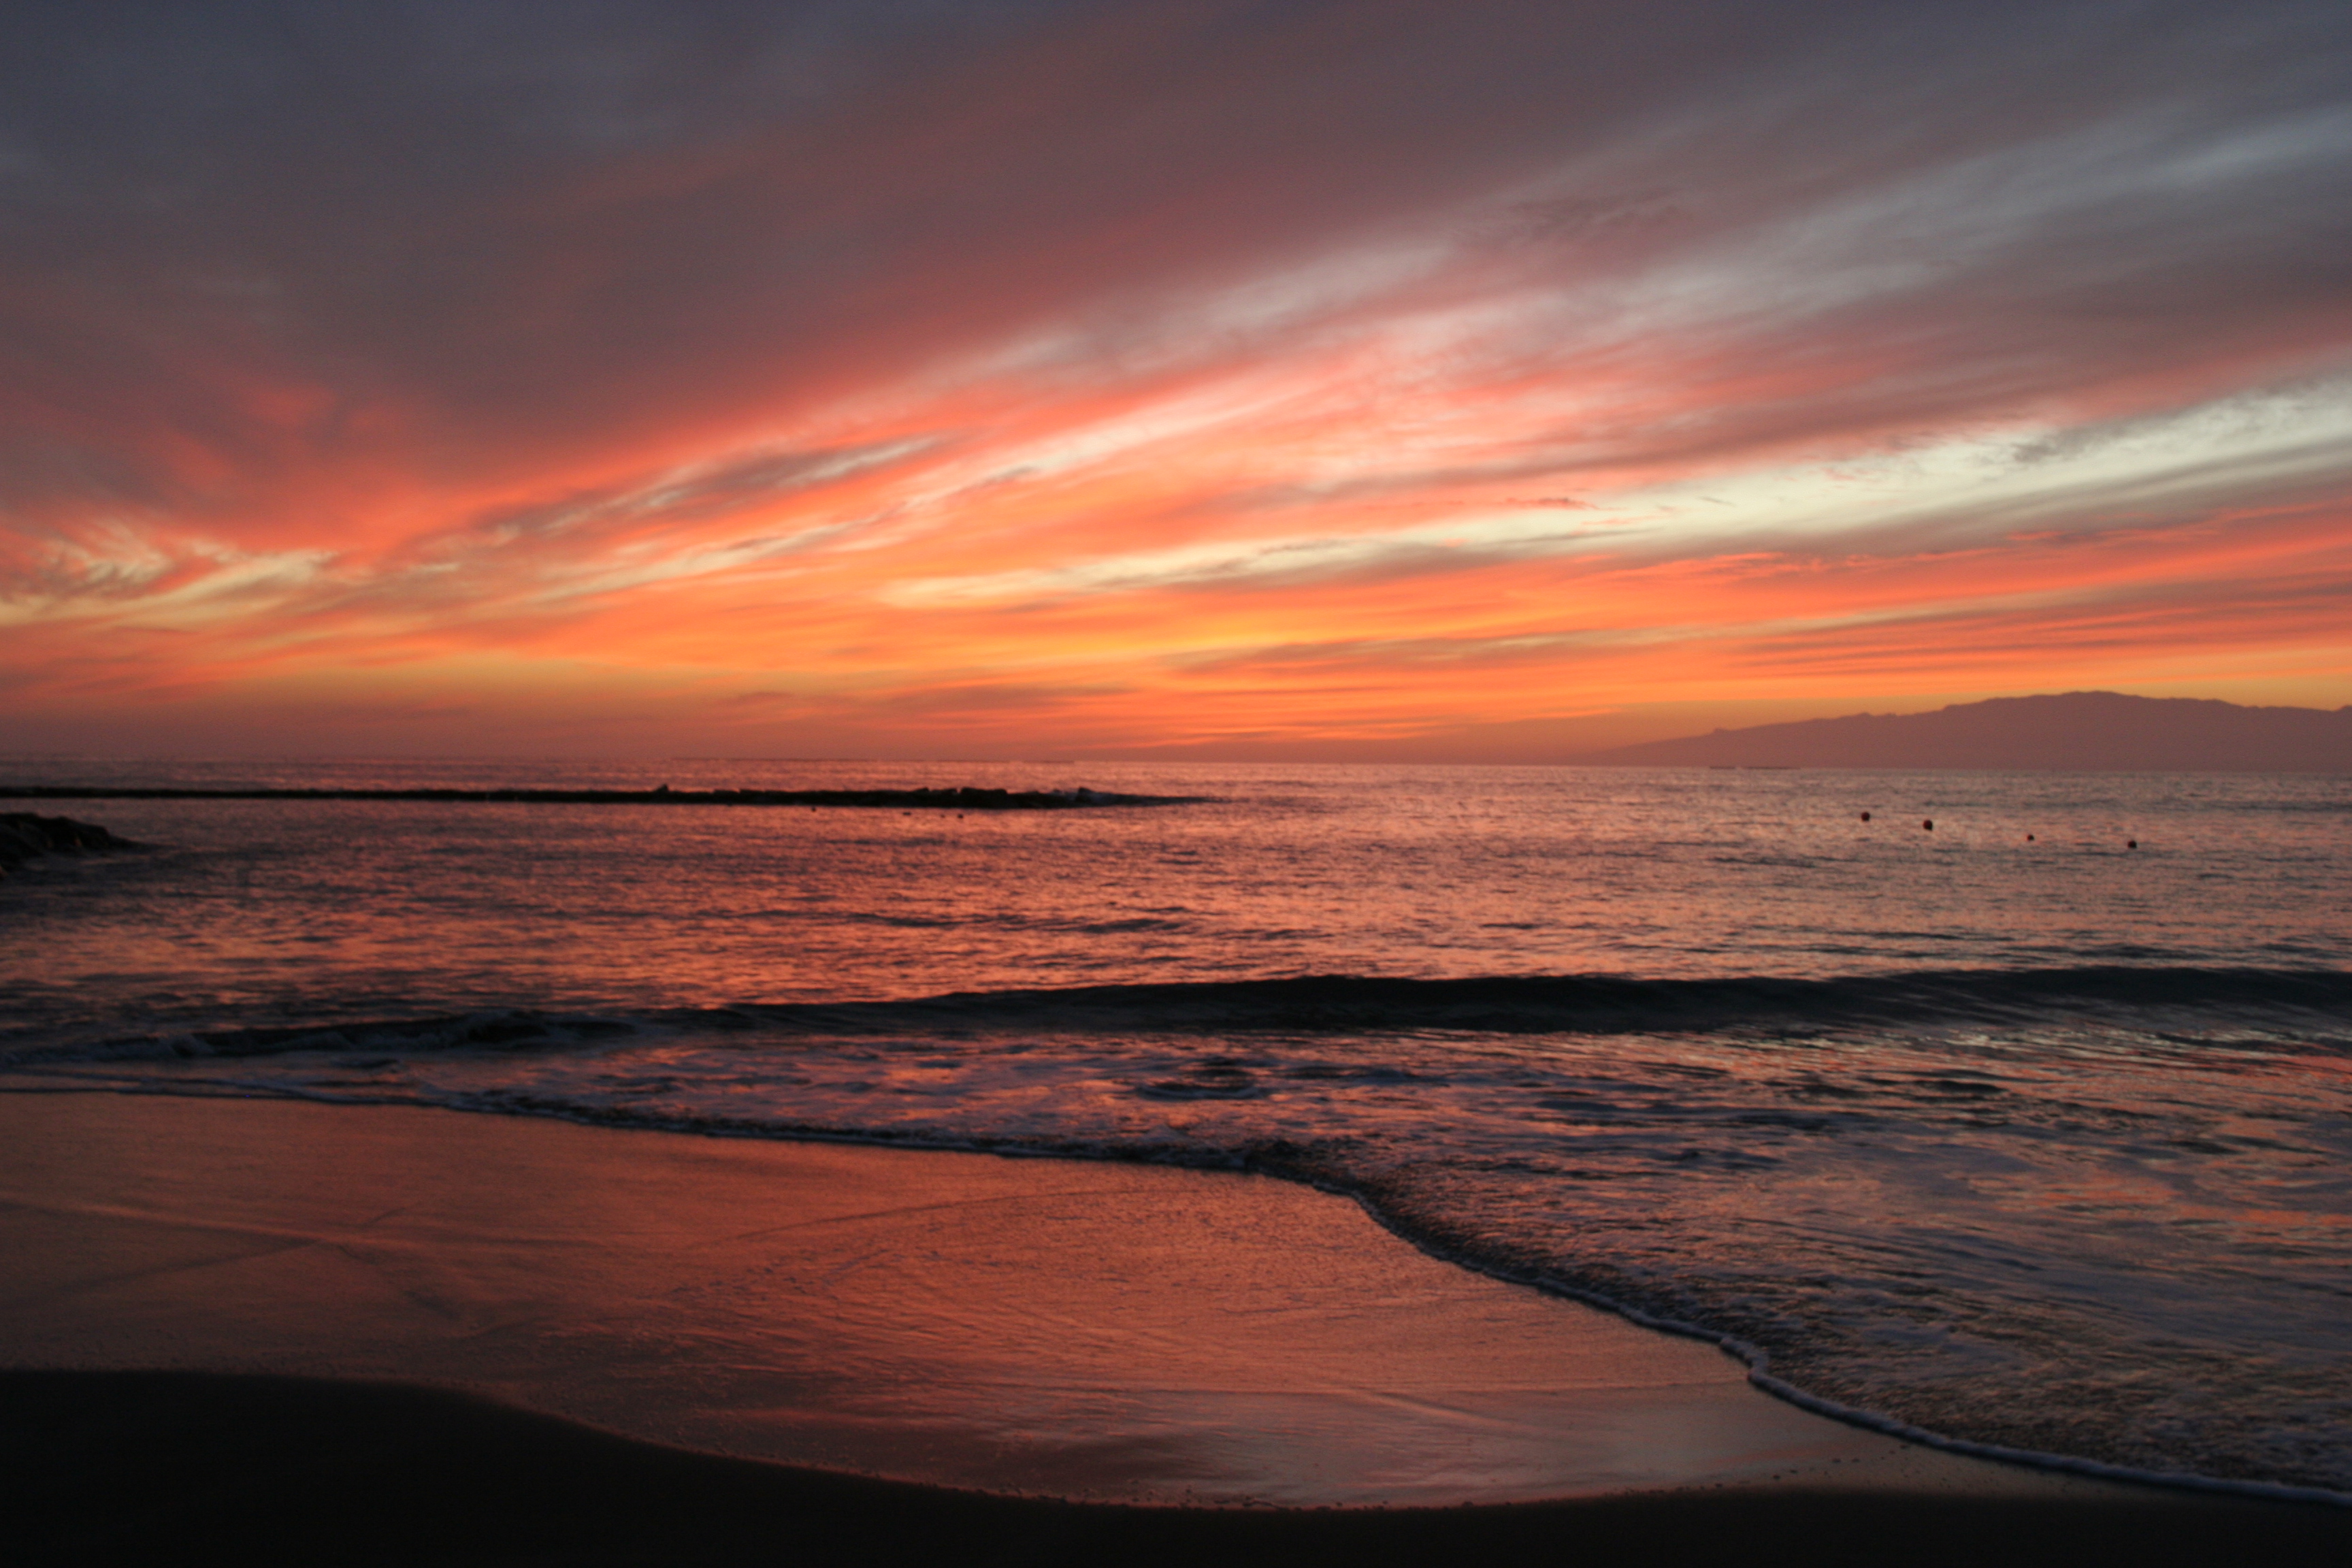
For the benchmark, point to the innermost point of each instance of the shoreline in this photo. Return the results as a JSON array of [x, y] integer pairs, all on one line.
[[1082, 1329], [276, 1274], [1977, 1462], [1990, 1458]]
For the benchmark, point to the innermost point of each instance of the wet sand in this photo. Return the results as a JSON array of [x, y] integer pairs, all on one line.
[[1044, 1328]]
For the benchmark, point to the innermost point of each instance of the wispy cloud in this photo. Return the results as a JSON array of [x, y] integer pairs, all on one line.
[[1098, 373]]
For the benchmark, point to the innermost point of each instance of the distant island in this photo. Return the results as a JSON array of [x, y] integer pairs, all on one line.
[[2076, 731]]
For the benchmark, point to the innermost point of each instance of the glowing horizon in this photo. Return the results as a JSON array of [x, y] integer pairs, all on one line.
[[1177, 379]]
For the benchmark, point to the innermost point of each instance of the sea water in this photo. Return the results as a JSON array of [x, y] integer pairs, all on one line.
[[2029, 1128]]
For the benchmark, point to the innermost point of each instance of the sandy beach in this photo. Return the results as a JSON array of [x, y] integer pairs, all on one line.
[[256, 1294]]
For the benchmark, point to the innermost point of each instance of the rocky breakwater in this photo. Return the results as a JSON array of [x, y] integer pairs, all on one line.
[[24, 835], [966, 798]]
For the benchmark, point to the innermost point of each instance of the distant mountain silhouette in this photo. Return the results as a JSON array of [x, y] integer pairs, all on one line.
[[2087, 731]]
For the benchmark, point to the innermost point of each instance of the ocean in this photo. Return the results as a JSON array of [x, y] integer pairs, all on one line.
[[2028, 1130]]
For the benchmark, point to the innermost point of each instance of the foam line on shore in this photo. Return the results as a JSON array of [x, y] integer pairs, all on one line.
[[1760, 1362]]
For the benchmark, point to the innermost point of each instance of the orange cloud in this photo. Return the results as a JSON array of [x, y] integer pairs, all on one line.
[[1179, 378]]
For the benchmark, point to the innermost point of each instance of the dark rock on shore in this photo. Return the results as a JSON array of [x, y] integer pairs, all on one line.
[[24, 835]]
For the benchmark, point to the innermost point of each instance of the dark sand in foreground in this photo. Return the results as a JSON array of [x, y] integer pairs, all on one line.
[[1066, 1330]]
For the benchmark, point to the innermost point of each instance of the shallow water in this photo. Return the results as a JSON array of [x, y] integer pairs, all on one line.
[[2039, 1144]]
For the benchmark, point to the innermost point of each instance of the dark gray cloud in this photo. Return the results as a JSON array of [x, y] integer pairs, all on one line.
[[515, 222]]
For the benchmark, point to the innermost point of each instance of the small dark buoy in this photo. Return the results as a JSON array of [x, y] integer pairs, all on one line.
[[2029, 838], [1865, 816], [1930, 824], [2131, 843]]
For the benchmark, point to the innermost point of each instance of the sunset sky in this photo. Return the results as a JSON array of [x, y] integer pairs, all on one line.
[[886, 378]]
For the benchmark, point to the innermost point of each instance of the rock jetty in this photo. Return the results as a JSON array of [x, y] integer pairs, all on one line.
[[965, 798]]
